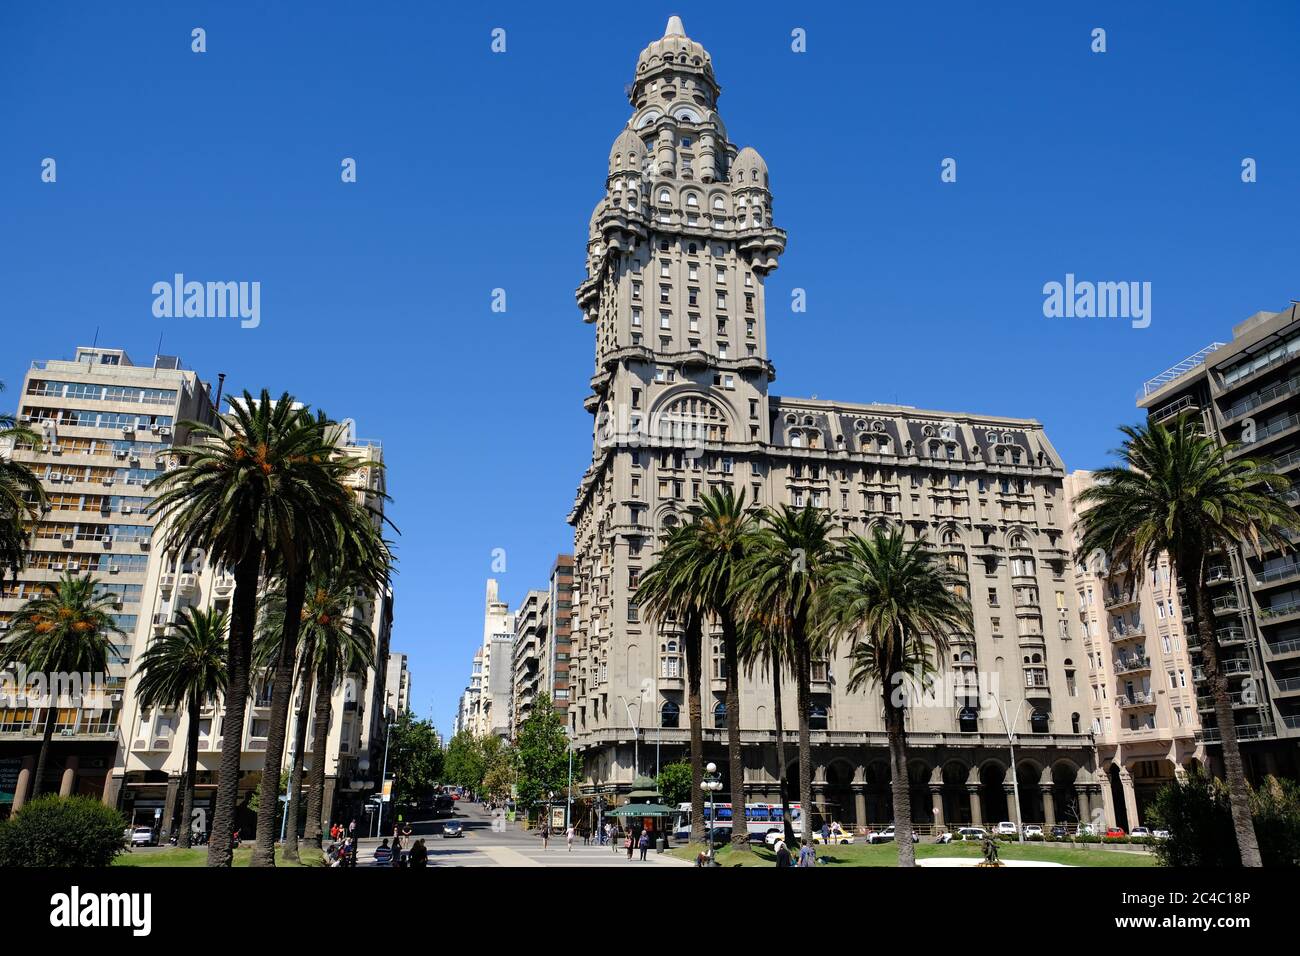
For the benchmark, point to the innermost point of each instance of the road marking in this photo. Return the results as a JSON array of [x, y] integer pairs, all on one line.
[[504, 856]]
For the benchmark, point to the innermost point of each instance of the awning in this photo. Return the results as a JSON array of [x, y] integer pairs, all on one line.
[[641, 810]]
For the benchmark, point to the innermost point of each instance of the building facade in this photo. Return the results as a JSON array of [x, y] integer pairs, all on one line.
[[1141, 685], [543, 645], [679, 249], [1248, 392], [106, 426], [397, 684]]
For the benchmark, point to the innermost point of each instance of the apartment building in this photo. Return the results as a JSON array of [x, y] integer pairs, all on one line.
[[1247, 391], [1141, 683], [106, 426], [527, 659], [543, 647], [397, 684], [679, 248], [467, 711], [146, 775]]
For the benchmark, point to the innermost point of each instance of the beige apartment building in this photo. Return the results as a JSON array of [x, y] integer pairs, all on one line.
[[1247, 392], [397, 684], [106, 427], [679, 249], [542, 646], [1141, 681], [146, 774]]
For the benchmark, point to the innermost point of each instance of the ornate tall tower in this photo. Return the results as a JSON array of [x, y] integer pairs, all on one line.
[[679, 248]]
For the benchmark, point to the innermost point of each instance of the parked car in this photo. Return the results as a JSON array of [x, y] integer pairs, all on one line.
[[1160, 834], [1085, 829], [1140, 832], [1115, 832], [1033, 831], [772, 836], [971, 834], [1060, 832], [720, 836], [1006, 828], [142, 836], [452, 828], [843, 838]]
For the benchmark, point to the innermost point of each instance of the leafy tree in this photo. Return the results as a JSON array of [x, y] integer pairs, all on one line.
[[417, 759], [674, 783], [1197, 813], [464, 763], [543, 754], [63, 631], [1180, 492], [63, 832], [896, 602]]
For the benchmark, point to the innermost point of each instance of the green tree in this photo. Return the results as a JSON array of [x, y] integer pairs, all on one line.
[[675, 783], [464, 764], [1179, 492], [417, 761], [62, 832], [21, 496], [63, 632], [668, 593], [543, 754], [184, 668], [252, 491], [782, 577], [896, 602]]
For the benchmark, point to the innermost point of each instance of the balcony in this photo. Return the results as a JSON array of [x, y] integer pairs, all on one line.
[[1232, 667], [1139, 699], [1210, 735], [1113, 600], [1277, 575], [1218, 574], [1263, 397], [1205, 702], [1127, 633], [1227, 604], [1284, 648], [1268, 433], [1288, 685], [1275, 612], [1037, 691], [1129, 663]]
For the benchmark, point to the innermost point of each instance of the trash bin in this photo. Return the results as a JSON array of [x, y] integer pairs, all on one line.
[[663, 841]]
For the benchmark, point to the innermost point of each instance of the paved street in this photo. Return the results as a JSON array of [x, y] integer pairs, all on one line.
[[482, 846]]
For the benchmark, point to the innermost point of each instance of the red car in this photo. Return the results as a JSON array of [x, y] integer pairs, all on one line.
[[1115, 832]]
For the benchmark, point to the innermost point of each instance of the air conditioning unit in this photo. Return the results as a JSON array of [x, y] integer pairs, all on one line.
[[144, 544], [108, 481], [165, 430], [120, 453], [56, 449], [4, 625], [67, 732], [126, 509], [113, 569], [106, 540], [116, 699], [155, 428], [74, 567], [135, 460], [67, 539], [56, 566], [128, 429]]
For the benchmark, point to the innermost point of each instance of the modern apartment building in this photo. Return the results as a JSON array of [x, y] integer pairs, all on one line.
[[397, 684], [485, 707], [1140, 676], [106, 426], [527, 659], [679, 249], [147, 773], [543, 643], [1248, 391]]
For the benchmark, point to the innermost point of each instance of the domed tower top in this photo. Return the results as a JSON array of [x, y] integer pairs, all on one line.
[[674, 54], [627, 153], [749, 170]]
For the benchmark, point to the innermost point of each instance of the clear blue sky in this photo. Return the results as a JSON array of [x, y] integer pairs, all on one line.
[[479, 171]]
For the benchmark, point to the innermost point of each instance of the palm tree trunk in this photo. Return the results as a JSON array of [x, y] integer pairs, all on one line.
[[803, 698], [899, 783], [311, 831], [295, 590], [692, 640], [735, 757], [243, 619], [780, 752], [51, 715], [190, 775], [1217, 682], [306, 672]]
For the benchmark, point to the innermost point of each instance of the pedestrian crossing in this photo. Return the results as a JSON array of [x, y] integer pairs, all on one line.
[[466, 853]]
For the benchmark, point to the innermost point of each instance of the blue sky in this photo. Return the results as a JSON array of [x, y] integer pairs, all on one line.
[[479, 170]]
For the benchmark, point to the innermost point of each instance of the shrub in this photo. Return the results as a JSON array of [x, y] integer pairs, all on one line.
[[1276, 809], [1195, 812], [62, 831]]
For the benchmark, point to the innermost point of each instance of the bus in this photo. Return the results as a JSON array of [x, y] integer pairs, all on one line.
[[760, 818]]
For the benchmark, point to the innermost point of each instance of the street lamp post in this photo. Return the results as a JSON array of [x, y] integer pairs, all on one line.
[[1015, 777], [284, 817], [636, 736], [568, 809], [711, 784], [383, 774]]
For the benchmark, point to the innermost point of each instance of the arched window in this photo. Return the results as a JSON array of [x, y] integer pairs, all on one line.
[[1074, 722], [718, 203], [670, 715], [720, 715], [665, 197], [692, 200]]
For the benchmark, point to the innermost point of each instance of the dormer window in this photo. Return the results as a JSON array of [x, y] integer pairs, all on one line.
[[665, 197]]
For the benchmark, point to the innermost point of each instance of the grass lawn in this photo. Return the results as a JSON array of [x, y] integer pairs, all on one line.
[[886, 854], [199, 857]]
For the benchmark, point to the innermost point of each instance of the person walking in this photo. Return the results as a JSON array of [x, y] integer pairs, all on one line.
[[546, 837], [644, 843], [383, 854], [826, 832], [613, 842], [627, 843], [568, 837], [398, 859], [783, 854]]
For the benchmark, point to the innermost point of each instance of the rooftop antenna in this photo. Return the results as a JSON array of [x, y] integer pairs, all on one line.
[[221, 381], [90, 359]]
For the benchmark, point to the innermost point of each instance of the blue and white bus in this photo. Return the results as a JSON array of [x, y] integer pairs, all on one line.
[[760, 818]]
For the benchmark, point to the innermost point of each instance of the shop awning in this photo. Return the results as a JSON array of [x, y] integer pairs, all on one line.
[[641, 810]]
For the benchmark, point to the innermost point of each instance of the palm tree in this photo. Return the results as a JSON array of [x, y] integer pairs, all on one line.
[[1178, 491], [244, 490], [765, 647], [63, 632], [896, 602], [343, 643], [21, 496], [186, 667], [780, 582], [709, 552], [667, 591]]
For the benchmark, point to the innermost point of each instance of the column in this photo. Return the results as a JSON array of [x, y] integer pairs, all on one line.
[[1085, 807], [24, 783], [1130, 797], [860, 805], [976, 809], [936, 804], [1049, 806], [1013, 811], [69, 778], [169, 807], [1108, 803]]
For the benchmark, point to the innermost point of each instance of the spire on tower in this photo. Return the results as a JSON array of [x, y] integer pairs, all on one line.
[[674, 28]]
